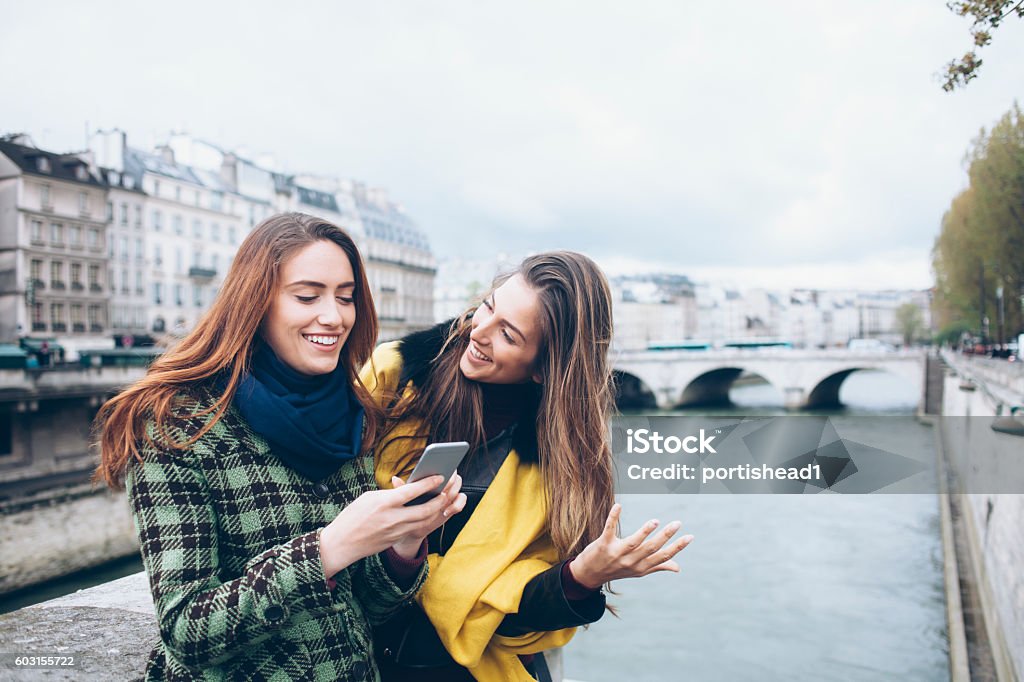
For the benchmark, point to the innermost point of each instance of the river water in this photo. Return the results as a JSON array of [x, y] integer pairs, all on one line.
[[774, 587], [785, 587]]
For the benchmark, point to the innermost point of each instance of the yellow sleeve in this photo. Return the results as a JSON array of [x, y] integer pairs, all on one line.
[[393, 454], [381, 374]]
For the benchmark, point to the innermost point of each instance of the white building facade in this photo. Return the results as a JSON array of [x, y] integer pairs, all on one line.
[[53, 247]]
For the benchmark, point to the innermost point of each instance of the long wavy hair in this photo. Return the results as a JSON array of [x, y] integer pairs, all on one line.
[[221, 345], [577, 394]]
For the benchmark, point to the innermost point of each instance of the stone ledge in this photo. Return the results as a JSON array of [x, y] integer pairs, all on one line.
[[109, 629]]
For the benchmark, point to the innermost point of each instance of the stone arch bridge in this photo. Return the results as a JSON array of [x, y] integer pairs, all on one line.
[[805, 378]]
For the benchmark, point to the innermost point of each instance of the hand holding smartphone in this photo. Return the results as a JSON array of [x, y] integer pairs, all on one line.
[[438, 458]]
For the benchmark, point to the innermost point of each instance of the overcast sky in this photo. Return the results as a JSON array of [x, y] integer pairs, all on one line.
[[783, 143]]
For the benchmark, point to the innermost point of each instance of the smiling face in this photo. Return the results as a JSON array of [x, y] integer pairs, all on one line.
[[505, 337], [313, 312]]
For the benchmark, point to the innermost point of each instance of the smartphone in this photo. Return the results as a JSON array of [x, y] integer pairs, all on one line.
[[438, 458]]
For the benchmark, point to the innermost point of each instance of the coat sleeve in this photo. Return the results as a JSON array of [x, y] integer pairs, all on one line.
[[375, 588], [378, 593], [545, 607], [203, 619]]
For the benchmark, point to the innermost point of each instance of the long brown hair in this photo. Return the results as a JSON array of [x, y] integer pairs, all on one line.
[[576, 394], [222, 342]]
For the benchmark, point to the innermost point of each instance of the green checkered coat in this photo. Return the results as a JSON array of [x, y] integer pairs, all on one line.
[[229, 541]]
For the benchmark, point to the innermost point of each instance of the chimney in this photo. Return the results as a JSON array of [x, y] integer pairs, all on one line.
[[166, 153], [108, 146], [229, 170]]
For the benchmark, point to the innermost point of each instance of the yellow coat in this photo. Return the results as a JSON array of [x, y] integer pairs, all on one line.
[[505, 544]]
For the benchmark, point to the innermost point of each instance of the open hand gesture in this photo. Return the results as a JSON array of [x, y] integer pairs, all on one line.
[[611, 558]]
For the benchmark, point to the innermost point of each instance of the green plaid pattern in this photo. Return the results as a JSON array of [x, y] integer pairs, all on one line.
[[229, 541]]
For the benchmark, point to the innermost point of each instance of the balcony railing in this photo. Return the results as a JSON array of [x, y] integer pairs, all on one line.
[[77, 286], [93, 286], [59, 327], [197, 272], [57, 284], [39, 326], [78, 327]]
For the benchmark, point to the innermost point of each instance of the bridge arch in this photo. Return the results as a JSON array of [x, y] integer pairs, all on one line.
[[824, 390], [825, 393], [632, 392]]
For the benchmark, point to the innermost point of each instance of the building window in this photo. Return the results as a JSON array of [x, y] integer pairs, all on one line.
[[44, 197], [57, 234], [215, 260], [156, 188], [214, 232], [197, 229], [176, 223], [138, 216], [179, 261], [216, 200], [197, 295], [123, 243], [179, 295], [197, 258], [125, 282], [139, 290], [140, 254], [232, 236], [156, 221], [83, 203], [110, 211], [77, 323], [197, 198], [177, 194], [158, 258], [76, 277], [94, 278], [75, 235], [35, 270], [95, 318], [158, 293], [94, 238], [38, 323], [57, 274], [57, 322], [124, 214]]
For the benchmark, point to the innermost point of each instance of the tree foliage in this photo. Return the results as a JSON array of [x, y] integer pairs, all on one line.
[[910, 322], [980, 247], [986, 16]]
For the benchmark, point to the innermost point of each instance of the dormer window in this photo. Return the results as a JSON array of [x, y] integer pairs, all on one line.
[[81, 173], [43, 164]]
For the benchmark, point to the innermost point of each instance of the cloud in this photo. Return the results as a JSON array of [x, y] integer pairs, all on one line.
[[768, 135]]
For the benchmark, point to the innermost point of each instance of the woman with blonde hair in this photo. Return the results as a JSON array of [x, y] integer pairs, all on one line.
[[244, 452], [525, 379]]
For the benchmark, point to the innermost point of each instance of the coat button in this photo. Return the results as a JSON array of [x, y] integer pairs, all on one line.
[[273, 613], [322, 491], [387, 652], [359, 670]]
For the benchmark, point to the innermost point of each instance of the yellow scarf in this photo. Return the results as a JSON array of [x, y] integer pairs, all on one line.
[[480, 579]]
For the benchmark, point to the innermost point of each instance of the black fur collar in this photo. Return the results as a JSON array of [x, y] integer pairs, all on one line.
[[418, 351]]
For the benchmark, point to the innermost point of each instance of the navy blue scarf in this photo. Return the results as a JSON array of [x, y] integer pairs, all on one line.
[[313, 423]]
